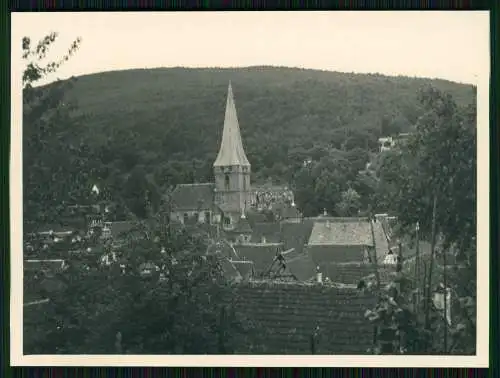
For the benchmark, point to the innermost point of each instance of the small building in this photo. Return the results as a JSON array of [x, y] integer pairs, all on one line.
[[386, 143], [194, 203], [345, 248]]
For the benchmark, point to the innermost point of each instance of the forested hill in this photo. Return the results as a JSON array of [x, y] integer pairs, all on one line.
[[169, 120]]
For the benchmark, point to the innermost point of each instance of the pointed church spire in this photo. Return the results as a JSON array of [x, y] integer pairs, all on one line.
[[231, 149]]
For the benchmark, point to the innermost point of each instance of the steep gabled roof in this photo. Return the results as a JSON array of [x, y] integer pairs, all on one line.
[[244, 267], [193, 197], [270, 230], [344, 232], [231, 273], [231, 149], [295, 235], [262, 255], [290, 212], [243, 226], [300, 265], [290, 313]]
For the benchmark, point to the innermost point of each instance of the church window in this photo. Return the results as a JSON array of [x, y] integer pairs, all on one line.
[[226, 181]]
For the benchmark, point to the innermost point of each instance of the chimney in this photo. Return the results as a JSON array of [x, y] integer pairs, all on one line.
[[319, 275], [263, 239], [325, 213]]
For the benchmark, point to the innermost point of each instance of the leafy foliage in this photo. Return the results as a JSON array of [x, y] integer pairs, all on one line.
[[438, 165], [169, 122], [162, 295], [47, 116], [141, 132]]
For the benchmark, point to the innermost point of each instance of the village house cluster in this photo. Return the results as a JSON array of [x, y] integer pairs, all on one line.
[[303, 270]]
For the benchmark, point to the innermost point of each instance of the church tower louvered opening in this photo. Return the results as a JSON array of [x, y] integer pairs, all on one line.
[[232, 168]]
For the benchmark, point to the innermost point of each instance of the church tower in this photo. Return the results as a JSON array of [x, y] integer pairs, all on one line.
[[232, 169]]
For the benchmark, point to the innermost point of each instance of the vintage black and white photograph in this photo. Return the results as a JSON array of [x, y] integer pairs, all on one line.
[[251, 183]]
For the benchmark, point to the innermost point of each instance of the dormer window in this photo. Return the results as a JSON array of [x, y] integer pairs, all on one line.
[[226, 181]]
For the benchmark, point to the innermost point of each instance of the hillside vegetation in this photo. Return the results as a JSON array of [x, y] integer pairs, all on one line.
[[166, 124]]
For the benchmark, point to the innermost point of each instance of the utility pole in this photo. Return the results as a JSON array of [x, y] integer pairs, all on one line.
[[445, 317], [399, 268], [417, 263], [429, 278], [375, 262]]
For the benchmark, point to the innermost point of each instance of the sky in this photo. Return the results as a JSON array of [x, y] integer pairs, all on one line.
[[450, 45]]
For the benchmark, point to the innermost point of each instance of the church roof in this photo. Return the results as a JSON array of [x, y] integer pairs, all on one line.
[[196, 197], [231, 150]]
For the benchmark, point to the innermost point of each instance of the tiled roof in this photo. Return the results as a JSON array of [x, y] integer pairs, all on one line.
[[381, 243], [342, 232], [195, 197], [120, 228], [288, 212], [300, 265], [261, 255], [295, 235], [244, 267], [350, 273], [53, 266], [386, 275], [229, 269], [222, 248], [335, 253], [256, 217], [289, 313], [270, 230], [243, 226]]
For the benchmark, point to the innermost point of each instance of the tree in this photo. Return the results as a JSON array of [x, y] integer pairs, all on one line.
[[439, 166], [164, 295], [349, 204], [47, 157]]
